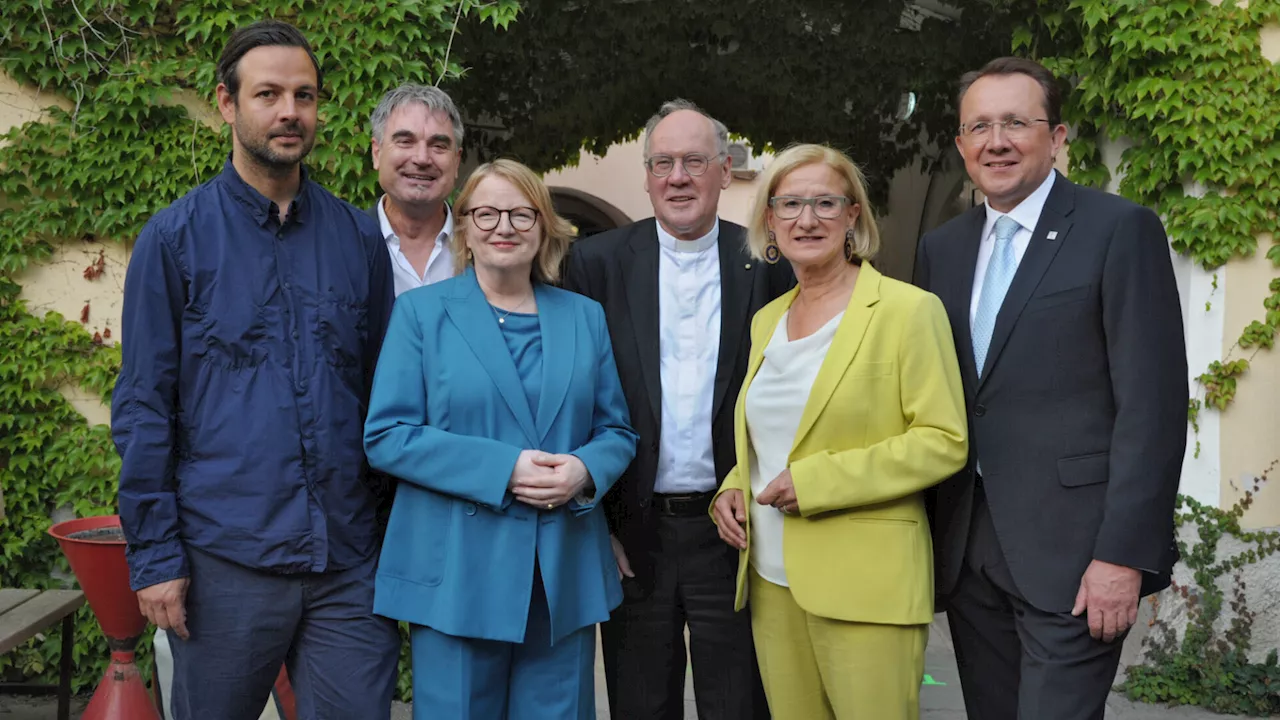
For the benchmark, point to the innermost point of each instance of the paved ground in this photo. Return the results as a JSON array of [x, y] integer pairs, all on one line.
[[940, 697]]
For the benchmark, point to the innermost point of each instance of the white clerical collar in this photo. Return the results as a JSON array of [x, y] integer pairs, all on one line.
[[1027, 212], [389, 233], [670, 242]]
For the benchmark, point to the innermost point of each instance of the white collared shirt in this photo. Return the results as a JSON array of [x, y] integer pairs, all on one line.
[[439, 265], [1027, 213], [689, 347]]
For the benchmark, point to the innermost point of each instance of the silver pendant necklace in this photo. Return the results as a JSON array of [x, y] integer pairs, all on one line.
[[503, 320]]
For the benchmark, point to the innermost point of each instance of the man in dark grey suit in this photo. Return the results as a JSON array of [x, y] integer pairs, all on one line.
[[1066, 314]]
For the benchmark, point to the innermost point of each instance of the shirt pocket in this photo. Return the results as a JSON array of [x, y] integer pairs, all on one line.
[[342, 327]]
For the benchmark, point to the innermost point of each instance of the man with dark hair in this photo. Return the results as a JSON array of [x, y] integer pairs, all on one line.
[[1068, 324], [678, 292], [254, 309]]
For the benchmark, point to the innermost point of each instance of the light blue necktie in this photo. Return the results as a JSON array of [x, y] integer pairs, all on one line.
[[995, 284]]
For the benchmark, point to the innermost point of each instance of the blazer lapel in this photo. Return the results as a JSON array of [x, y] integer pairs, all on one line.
[[844, 347], [958, 301], [642, 296], [470, 312], [737, 271], [559, 337], [1040, 253]]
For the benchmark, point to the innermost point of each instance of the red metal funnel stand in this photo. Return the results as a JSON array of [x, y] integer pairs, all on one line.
[[95, 548]]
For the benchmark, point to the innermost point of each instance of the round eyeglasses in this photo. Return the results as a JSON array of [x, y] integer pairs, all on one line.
[[789, 207], [487, 218], [694, 163]]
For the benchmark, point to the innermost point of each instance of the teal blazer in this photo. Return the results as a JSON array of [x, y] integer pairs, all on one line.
[[448, 417]]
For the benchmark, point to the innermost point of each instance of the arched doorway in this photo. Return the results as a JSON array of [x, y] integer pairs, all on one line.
[[589, 214]]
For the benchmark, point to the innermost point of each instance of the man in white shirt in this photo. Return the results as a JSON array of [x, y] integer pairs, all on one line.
[[678, 292], [417, 149]]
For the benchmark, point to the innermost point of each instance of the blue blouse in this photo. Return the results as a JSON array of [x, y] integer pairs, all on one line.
[[523, 335]]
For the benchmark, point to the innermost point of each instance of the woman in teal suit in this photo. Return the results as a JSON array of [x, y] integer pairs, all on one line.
[[497, 406]]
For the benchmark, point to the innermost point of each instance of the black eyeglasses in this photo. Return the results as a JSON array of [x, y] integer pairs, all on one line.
[[487, 218], [693, 163]]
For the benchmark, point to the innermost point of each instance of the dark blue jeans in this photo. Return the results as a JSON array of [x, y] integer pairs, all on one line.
[[244, 623]]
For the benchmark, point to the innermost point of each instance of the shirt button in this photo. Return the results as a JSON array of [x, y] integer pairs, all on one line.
[[287, 286], [295, 334]]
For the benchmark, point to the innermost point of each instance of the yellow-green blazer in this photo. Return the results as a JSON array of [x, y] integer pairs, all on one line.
[[885, 420]]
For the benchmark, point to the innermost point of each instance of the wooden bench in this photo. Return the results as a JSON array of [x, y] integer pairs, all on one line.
[[24, 614]]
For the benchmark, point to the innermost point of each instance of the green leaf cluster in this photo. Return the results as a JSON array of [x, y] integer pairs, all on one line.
[[120, 145], [1209, 667]]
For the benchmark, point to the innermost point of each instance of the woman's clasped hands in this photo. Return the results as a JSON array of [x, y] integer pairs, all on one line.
[[547, 480]]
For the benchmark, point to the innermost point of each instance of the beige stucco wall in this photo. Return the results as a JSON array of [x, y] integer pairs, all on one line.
[[1250, 436], [58, 284]]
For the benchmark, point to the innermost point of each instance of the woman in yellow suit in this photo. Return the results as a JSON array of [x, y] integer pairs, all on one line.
[[851, 408]]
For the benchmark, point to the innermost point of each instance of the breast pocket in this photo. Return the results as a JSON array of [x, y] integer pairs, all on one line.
[[342, 327], [1058, 298]]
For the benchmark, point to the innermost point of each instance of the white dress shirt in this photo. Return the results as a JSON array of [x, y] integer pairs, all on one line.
[[689, 347], [439, 265], [1027, 213], [775, 403]]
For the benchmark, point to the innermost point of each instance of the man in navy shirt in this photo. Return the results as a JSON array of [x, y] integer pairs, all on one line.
[[254, 308]]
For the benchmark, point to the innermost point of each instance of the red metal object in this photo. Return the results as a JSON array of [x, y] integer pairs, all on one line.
[[286, 703], [99, 564]]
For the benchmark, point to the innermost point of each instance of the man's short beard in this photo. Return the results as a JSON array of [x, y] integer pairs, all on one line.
[[259, 148]]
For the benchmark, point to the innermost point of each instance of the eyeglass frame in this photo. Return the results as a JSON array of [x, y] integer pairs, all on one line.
[[812, 202], [470, 212], [966, 131], [711, 160]]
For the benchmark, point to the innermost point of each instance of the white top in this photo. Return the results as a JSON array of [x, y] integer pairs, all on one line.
[[1027, 214], [775, 403], [439, 265], [689, 346]]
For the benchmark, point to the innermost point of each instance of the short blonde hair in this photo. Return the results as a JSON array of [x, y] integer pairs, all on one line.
[[557, 232], [866, 241]]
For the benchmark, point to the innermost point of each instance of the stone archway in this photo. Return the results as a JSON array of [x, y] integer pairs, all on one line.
[[588, 213]]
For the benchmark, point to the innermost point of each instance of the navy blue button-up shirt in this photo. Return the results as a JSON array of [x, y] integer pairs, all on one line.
[[248, 354]]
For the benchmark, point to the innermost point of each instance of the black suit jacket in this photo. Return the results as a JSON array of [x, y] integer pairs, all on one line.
[[1080, 420], [619, 269]]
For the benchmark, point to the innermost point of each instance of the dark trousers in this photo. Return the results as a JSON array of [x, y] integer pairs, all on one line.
[[244, 624], [643, 641], [473, 679], [1018, 662]]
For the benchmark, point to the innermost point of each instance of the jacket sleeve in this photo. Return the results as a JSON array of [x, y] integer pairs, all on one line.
[[143, 410], [398, 441], [1146, 353], [934, 446], [613, 442]]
